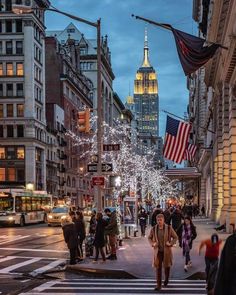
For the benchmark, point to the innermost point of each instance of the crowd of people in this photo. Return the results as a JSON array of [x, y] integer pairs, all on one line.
[[102, 233]]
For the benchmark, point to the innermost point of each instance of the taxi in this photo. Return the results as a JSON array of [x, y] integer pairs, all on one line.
[[57, 214]]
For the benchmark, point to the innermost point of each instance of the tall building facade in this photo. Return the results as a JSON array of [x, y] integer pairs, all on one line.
[[145, 105], [22, 96], [213, 105]]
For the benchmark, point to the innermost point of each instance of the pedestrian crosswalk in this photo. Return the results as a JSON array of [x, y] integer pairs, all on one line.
[[116, 286], [30, 265], [4, 239]]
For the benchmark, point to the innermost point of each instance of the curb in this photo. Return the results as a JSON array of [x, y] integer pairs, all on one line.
[[97, 272]]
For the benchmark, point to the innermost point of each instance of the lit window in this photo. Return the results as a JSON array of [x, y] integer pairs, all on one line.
[[1, 110], [19, 69], [9, 110], [1, 69], [20, 110], [9, 69], [20, 153], [2, 153], [2, 174], [11, 174]]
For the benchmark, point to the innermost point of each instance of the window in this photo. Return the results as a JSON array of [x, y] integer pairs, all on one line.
[[18, 1], [9, 69], [1, 110], [1, 69], [19, 89], [2, 174], [10, 131], [9, 89], [8, 5], [8, 25], [1, 47], [1, 130], [2, 153], [10, 153], [20, 110], [71, 30], [10, 110], [18, 25], [11, 174], [20, 130], [19, 69], [9, 47], [38, 155], [19, 47], [20, 174]]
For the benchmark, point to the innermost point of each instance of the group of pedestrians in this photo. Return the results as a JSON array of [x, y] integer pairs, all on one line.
[[103, 229]]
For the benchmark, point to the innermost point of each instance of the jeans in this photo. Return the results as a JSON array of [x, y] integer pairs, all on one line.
[[209, 262], [187, 257], [73, 252], [80, 248], [112, 242], [159, 270], [143, 228], [101, 250]]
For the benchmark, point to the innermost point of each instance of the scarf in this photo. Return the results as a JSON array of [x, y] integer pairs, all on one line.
[[186, 237]]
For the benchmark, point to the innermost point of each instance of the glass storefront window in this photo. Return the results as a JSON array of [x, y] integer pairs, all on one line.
[[11, 174], [2, 174]]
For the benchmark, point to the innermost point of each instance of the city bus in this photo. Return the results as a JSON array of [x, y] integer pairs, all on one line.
[[20, 207]]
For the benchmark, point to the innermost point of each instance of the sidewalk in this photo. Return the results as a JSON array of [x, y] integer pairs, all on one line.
[[135, 256]]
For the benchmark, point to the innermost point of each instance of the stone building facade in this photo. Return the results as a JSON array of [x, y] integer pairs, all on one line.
[[213, 104]]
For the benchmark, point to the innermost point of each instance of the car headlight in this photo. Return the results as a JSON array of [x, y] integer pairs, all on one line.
[[50, 216], [63, 217], [10, 218]]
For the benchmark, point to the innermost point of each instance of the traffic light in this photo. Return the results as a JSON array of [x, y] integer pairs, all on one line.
[[84, 121]]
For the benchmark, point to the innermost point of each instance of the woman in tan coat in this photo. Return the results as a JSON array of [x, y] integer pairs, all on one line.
[[162, 237]]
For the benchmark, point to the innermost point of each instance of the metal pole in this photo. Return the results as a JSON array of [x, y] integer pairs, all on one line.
[[98, 191]]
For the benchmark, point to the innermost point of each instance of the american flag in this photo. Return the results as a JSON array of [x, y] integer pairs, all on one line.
[[190, 152], [177, 135]]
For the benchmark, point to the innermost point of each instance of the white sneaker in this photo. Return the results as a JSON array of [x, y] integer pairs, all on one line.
[[190, 263], [185, 268]]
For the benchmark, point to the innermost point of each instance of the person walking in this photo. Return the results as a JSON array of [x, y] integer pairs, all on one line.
[[203, 211], [80, 230], [99, 240], [111, 230], [92, 223], [176, 219], [211, 259], [143, 221], [162, 237], [70, 237], [187, 233], [157, 211], [226, 275]]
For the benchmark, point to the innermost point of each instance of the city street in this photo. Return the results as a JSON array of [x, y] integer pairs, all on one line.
[[27, 253]]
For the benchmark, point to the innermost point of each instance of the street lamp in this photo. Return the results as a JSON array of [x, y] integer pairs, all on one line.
[[20, 9]]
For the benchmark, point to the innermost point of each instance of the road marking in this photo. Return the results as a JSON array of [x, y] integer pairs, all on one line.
[[12, 239], [34, 250], [18, 265], [8, 258], [48, 266]]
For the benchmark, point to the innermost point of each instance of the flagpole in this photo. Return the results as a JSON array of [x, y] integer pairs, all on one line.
[[168, 27], [164, 111]]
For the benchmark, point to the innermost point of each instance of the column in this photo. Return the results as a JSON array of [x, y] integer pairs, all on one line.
[[217, 201], [225, 145], [30, 165], [231, 214]]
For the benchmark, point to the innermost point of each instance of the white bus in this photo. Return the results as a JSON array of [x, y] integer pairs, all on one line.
[[20, 207]]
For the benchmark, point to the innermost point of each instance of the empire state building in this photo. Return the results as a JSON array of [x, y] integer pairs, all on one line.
[[145, 106]]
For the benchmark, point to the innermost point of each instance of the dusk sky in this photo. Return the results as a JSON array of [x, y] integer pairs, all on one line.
[[126, 40]]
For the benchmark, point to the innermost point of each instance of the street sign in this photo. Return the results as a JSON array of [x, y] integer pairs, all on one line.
[[92, 167], [98, 180], [111, 147], [106, 167]]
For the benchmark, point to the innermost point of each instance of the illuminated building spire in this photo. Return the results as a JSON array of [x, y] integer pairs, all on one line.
[[146, 63]]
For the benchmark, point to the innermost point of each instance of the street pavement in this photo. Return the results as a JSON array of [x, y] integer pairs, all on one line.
[[31, 251]]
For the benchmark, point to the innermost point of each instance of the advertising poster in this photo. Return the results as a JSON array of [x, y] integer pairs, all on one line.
[[129, 212]]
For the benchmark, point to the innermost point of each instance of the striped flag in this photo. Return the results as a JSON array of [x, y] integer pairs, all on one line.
[[176, 138], [190, 152]]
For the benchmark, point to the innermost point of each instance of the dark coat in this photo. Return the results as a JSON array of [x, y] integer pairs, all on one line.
[[80, 229], [99, 239], [193, 235], [70, 235], [112, 227], [143, 218], [176, 219], [226, 276], [92, 224]]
